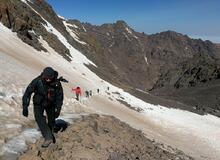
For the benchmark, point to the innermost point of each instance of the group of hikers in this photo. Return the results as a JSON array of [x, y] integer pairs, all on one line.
[[48, 97], [78, 93]]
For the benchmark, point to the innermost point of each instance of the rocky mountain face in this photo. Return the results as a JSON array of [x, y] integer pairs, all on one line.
[[187, 62], [118, 52], [157, 60], [190, 71], [102, 137], [166, 64], [29, 18]]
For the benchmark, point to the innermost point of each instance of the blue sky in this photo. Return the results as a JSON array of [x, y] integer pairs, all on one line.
[[197, 18]]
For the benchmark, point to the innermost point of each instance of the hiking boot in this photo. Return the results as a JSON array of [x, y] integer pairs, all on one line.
[[47, 143]]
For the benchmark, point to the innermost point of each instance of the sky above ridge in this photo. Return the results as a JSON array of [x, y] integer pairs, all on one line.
[[196, 18]]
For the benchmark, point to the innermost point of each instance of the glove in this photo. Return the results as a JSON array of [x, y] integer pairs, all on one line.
[[25, 112]]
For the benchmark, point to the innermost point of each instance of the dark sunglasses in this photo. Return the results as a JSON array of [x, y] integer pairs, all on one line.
[[47, 78]]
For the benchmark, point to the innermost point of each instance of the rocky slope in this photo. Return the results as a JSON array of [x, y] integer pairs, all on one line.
[[102, 137], [29, 20]]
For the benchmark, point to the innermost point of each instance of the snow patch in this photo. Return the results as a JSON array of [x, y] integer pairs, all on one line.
[[141, 90], [71, 25], [32, 31], [71, 116], [114, 65], [18, 144], [126, 36], [25, 1], [13, 126], [72, 33], [130, 32], [205, 128], [111, 44], [61, 17], [145, 58], [76, 55], [84, 28]]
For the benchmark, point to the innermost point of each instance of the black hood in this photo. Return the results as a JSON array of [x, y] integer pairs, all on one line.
[[48, 72]]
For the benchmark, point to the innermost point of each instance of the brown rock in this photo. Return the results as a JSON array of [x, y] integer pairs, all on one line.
[[122, 142]]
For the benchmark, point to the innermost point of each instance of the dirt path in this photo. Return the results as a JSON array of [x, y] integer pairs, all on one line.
[[175, 137]]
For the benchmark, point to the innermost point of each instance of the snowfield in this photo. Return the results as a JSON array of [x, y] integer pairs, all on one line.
[[196, 135]]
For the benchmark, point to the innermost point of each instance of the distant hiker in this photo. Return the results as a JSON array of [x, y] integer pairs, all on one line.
[[60, 125], [90, 92], [108, 88], [97, 90], [87, 93], [78, 92], [48, 96]]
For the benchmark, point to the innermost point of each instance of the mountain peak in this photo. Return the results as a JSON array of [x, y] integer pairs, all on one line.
[[121, 23]]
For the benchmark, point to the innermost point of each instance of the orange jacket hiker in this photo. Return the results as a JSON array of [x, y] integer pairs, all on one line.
[[78, 92]]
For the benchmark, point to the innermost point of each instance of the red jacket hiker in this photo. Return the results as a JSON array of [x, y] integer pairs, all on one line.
[[78, 92]]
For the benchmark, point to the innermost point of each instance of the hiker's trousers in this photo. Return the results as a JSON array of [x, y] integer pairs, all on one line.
[[45, 124]]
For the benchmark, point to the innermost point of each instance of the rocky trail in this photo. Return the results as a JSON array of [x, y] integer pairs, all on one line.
[[95, 137]]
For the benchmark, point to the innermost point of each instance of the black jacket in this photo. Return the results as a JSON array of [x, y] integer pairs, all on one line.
[[44, 94]]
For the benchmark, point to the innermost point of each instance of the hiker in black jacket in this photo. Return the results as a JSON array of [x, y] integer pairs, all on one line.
[[48, 96]]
